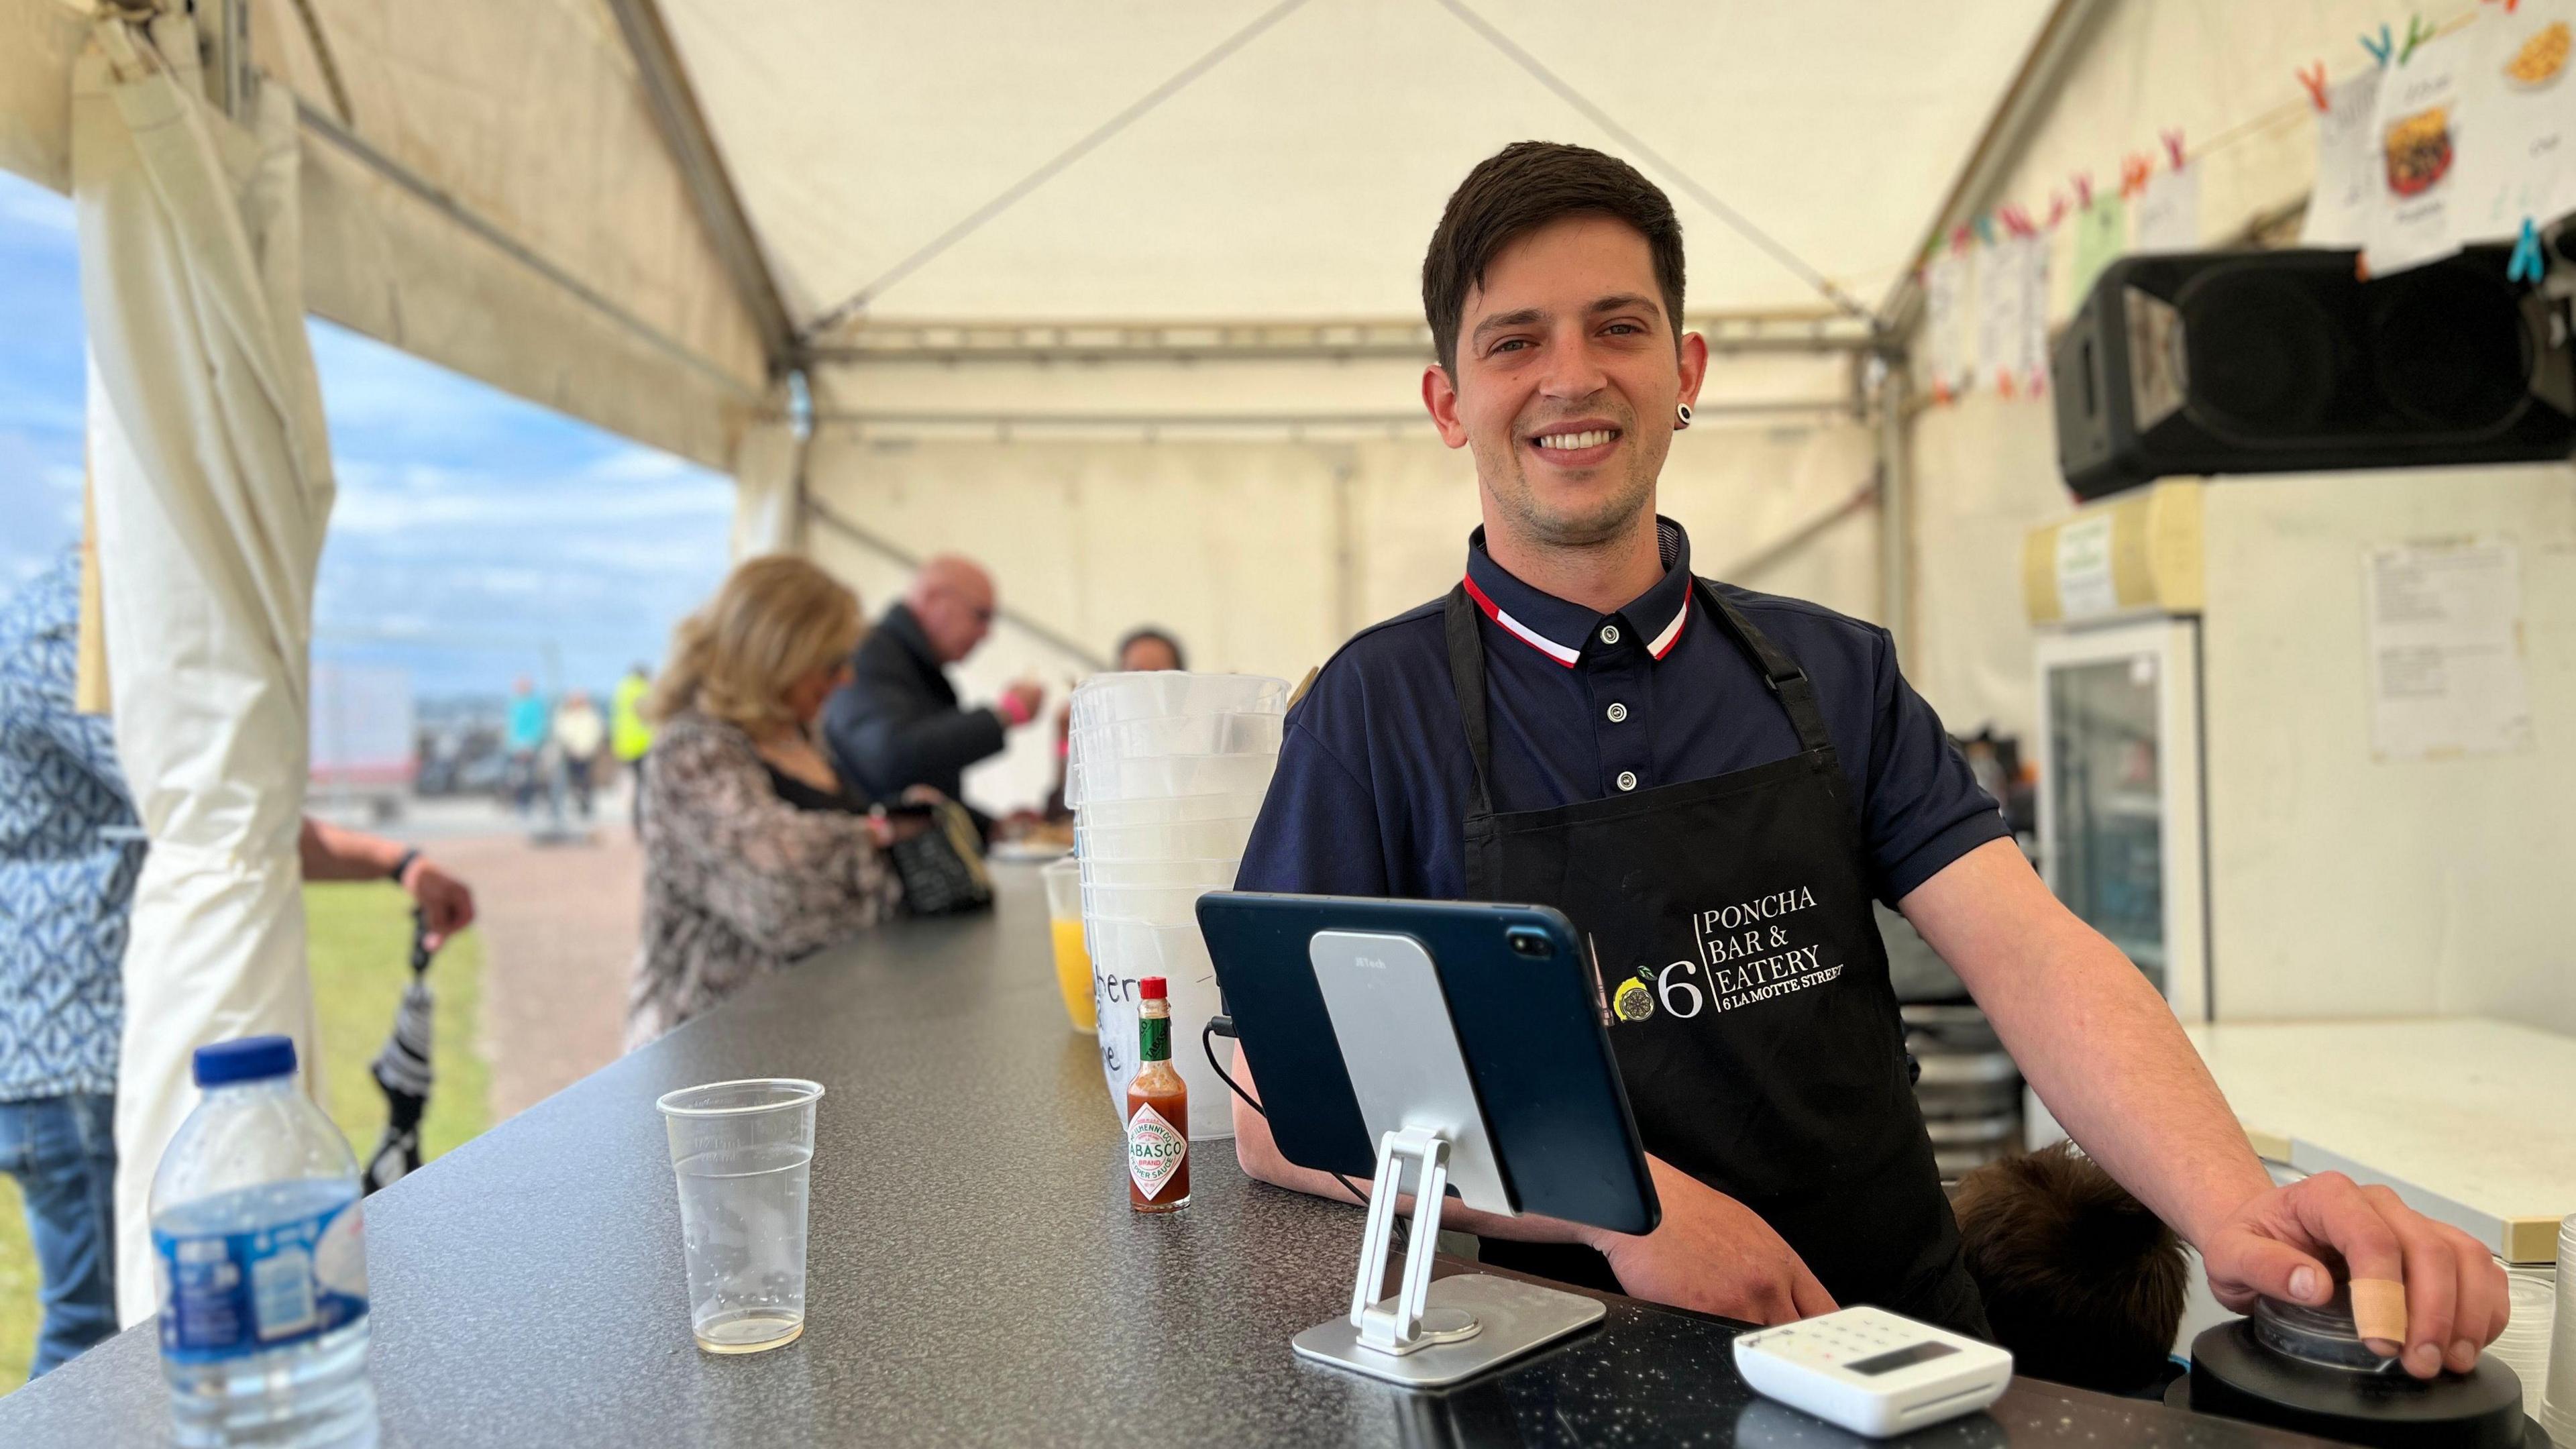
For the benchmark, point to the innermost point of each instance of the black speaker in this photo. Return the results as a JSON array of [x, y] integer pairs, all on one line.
[[2283, 361]]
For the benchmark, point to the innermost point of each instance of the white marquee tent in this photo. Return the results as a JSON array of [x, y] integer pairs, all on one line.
[[1119, 296]]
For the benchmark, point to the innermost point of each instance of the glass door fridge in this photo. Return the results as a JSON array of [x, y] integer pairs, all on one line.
[[2120, 794]]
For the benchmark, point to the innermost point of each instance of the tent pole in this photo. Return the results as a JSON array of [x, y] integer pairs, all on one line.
[[1895, 511], [674, 103]]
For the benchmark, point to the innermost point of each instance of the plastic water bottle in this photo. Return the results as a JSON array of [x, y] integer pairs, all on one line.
[[259, 1249]]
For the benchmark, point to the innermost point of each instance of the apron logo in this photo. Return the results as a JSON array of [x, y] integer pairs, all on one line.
[[1634, 1002], [1746, 953]]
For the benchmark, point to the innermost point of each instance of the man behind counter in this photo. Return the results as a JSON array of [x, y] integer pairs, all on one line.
[[1713, 784]]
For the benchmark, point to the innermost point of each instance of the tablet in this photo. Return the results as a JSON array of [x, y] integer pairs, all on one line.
[[1528, 1025]]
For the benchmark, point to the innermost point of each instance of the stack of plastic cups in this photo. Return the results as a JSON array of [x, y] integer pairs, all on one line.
[[2558, 1408], [1167, 775]]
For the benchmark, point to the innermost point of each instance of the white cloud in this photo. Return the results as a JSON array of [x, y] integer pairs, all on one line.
[[23, 203]]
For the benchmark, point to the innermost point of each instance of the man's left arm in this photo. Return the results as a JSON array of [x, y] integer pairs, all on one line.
[[331, 853], [2107, 1057]]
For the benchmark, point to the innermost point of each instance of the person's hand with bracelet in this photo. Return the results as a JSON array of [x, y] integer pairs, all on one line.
[[446, 903]]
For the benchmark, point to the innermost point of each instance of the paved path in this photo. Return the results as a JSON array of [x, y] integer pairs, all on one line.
[[559, 927]]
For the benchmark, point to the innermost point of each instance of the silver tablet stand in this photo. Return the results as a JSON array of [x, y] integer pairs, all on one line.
[[1412, 1086]]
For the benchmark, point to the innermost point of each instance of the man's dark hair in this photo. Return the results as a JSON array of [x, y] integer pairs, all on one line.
[[1180, 660], [2081, 1282], [1525, 186]]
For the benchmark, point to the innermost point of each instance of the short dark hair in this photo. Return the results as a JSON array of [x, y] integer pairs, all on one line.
[[1520, 188], [2081, 1281], [1135, 637]]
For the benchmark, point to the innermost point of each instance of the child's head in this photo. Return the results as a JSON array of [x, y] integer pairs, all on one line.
[[2081, 1282]]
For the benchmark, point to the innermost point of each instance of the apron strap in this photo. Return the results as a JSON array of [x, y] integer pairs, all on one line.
[[1467, 680], [1797, 693]]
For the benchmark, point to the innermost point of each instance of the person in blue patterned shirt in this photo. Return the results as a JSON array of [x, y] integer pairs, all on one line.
[[70, 848]]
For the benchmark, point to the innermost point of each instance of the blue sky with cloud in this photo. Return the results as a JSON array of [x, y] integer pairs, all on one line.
[[476, 536]]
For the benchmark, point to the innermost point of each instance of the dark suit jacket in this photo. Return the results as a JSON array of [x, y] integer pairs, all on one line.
[[897, 723]]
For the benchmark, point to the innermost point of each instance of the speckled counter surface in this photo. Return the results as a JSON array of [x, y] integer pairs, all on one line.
[[975, 1274]]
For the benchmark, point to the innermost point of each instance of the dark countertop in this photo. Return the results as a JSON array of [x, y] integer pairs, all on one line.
[[975, 1275]]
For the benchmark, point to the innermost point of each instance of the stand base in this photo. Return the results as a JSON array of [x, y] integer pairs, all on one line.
[[1511, 1318]]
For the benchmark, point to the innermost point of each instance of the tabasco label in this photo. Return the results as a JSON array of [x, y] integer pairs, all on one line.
[[1155, 1151]]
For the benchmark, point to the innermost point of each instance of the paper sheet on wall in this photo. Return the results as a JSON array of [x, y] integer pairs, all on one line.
[[1999, 315], [2446, 667], [2348, 176], [2034, 315], [2169, 212], [2518, 118], [1946, 320], [2101, 232], [2416, 129]]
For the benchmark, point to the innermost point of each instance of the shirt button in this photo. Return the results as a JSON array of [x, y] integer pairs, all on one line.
[[1627, 779], [1617, 712], [1609, 633]]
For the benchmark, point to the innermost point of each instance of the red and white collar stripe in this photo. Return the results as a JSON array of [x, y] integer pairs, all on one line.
[[1661, 645]]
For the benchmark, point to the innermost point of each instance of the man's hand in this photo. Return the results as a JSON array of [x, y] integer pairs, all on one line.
[[2279, 1245], [1713, 1254], [1022, 701], [446, 905]]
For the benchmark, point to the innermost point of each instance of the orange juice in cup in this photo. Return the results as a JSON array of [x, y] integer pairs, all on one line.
[[1072, 953]]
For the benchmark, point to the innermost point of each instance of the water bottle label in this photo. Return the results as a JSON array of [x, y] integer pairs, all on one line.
[[225, 1295]]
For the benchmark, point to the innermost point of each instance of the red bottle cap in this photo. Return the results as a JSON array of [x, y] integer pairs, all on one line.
[[1152, 989]]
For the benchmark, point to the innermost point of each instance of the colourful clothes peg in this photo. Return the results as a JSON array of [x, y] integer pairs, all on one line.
[[2381, 49], [2527, 265], [2174, 151], [2314, 79], [1985, 225], [2417, 32], [2083, 181], [2134, 171]]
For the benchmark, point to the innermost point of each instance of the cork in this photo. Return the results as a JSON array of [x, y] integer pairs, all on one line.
[[2379, 1309]]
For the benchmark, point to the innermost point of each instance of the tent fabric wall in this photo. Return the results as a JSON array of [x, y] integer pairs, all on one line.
[[213, 485], [768, 483], [1264, 554]]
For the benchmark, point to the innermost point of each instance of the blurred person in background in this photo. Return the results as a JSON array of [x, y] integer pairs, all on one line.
[[1145, 650], [579, 734], [756, 852], [629, 736], [527, 736], [70, 848], [897, 723]]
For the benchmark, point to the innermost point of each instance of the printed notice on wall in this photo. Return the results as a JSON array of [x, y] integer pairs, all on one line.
[[2347, 165], [2446, 669]]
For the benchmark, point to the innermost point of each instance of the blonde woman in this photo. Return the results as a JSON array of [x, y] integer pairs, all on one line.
[[754, 852]]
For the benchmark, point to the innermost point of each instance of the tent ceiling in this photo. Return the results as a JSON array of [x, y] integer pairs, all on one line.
[[1300, 175]]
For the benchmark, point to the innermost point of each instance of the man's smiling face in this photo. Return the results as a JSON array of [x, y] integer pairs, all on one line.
[[1566, 381]]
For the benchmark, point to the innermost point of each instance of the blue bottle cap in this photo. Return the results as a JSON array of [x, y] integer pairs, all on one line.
[[247, 1059]]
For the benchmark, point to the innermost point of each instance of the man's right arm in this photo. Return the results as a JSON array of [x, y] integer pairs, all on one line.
[[884, 727]]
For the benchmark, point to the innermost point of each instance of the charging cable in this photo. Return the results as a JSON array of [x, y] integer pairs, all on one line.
[[1221, 1025]]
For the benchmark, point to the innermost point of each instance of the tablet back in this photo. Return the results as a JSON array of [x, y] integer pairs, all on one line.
[[1527, 1023]]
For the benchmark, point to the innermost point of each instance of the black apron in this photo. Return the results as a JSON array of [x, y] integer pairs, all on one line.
[[1745, 991]]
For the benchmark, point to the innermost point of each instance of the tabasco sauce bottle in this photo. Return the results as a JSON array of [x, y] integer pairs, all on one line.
[[1158, 1110]]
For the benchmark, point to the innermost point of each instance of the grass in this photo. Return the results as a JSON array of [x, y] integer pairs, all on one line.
[[360, 941]]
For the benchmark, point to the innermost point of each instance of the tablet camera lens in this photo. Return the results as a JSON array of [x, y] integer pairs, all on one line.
[[1529, 941]]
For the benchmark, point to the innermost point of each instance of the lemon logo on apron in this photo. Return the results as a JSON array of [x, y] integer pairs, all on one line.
[[1634, 1001]]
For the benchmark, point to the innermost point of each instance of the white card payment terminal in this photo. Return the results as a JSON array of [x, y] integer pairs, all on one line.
[[1872, 1371]]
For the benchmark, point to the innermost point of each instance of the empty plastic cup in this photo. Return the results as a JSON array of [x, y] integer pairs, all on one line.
[[744, 1152], [1072, 956]]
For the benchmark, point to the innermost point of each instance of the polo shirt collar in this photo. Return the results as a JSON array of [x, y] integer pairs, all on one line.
[[1563, 631]]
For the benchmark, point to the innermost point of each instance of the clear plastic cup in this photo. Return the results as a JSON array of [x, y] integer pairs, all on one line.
[[1072, 953], [1160, 905], [1089, 781], [1180, 840], [1108, 698], [1182, 734], [1218, 872], [744, 1152], [1168, 810]]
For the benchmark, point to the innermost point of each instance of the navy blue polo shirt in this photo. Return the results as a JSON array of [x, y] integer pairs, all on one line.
[[1371, 794]]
